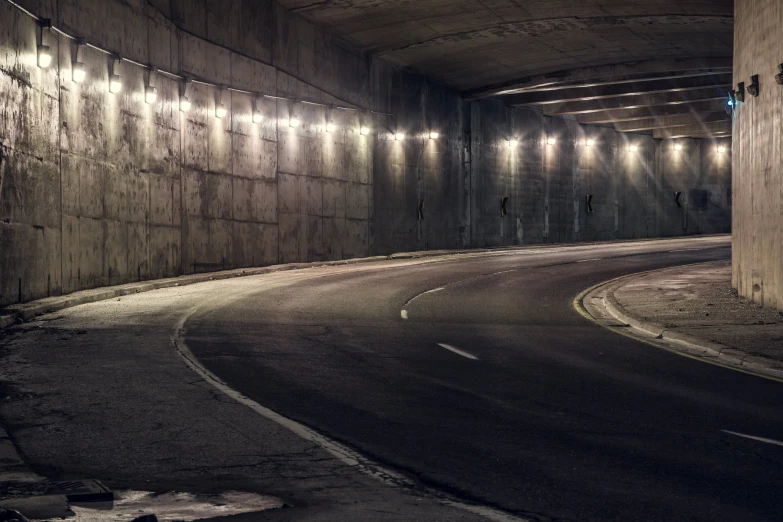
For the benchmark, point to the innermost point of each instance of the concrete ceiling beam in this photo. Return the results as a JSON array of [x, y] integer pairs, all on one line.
[[609, 74], [618, 90], [696, 130], [636, 101], [678, 120], [641, 113]]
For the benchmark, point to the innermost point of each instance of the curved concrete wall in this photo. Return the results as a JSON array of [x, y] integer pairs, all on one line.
[[757, 240], [98, 188]]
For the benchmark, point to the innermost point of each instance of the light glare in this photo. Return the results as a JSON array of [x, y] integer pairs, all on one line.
[[150, 94], [184, 104], [590, 143], [78, 72], [364, 131], [258, 117], [633, 148], [44, 56], [115, 84], [721, 148], [551, 141], [513, 142], [331, 127], [221, 111], [294, 122], [434, 135], [678, 147]]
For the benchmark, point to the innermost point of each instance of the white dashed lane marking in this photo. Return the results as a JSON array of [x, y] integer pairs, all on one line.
[[458, 351]]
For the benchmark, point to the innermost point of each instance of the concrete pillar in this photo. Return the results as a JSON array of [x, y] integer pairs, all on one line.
[[757, 173]]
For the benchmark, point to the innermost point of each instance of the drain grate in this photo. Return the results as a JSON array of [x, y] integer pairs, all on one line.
[[77, 491]]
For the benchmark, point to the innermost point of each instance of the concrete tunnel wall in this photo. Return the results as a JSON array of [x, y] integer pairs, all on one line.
[[757, 238], [99, 188]]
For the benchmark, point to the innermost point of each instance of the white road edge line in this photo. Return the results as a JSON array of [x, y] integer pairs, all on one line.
[[753, 437], [458, 351], [344, 454], [586, 260]]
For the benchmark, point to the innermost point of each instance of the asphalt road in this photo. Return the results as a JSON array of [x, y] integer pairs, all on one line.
[[496, 389]]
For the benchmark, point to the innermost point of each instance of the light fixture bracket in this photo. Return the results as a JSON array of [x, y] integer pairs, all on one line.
[[753, 88], [739, 94]]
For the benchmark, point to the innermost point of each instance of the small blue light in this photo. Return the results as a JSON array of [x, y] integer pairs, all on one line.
[[731, 102]]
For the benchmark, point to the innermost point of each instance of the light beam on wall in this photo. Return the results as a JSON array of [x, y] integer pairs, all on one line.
[[115, 82]]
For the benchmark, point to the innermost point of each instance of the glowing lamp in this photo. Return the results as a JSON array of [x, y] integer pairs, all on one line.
[[551, 141], [115, 83], [590, 143], [221, 111], [44, 56], [364, 131], [331, 127], [258, 116], [399, 136], [294, 122], [184, 104], [513, 142], [721, 149], [633, 148], [434, 135], [150, 94], [78, 72], [678, 147]]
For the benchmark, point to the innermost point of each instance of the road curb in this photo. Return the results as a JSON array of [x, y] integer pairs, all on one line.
[[603, 295], [15, 314]]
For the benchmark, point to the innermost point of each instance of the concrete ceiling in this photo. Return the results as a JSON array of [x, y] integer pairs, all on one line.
[[607, 55]]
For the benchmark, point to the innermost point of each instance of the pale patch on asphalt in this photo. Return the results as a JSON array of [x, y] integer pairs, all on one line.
[[174, 506], [586, 260], [458, 351], [753, 437]]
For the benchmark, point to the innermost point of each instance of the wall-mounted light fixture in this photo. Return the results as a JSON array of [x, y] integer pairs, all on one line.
[[678, 147], [78, 69], [632, 148], [551, 141], [721, 149], [220, 108], [150, 92], [753, 88], [115, 82], [589, 143], [512, 142], [434, 135], [364, 130], [739, 94], [293, 119], [399, 136], [44, 52], [779, 76], [184, 102]]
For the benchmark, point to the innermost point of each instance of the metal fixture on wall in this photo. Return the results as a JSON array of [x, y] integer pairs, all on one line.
[[150, 92], [589, 203], [503, 207], [44, 52], [677, 196], [220, 108], [753, 88], [78, 69], [115, 81], [184, 101], [779, 76], [420, 210], [739, 94]]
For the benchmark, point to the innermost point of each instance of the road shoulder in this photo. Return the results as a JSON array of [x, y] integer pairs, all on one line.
[[694, 311]]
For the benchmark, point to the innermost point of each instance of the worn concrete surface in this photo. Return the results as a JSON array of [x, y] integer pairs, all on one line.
[[700, 301], [99, 189], [757, 173]]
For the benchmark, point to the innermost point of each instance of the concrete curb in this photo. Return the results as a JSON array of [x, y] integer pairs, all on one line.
[[686, 343], [14, 314], [12, 467]]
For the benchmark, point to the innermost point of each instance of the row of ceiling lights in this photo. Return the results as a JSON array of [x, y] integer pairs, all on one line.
[[513, 142]]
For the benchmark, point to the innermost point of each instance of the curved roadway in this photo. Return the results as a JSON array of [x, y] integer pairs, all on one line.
[[496, 389]]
